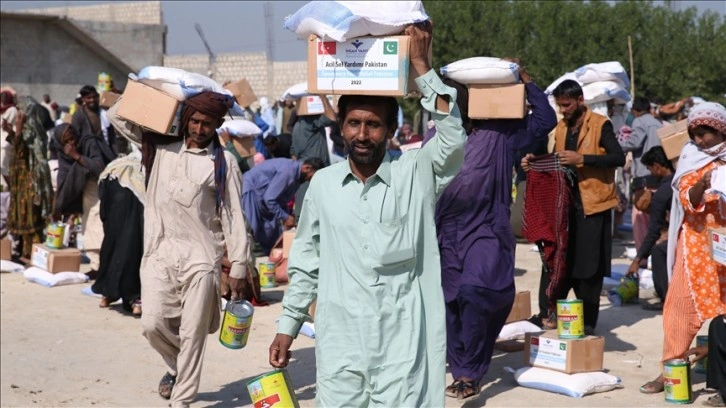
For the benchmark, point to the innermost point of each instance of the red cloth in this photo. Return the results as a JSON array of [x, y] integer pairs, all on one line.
[[546, 218]]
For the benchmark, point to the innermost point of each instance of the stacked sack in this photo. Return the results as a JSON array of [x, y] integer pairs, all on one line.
[[495, 91], [356, 47], [600, 83]]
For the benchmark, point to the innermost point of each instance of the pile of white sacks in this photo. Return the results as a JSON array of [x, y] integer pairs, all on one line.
[[600, 83]]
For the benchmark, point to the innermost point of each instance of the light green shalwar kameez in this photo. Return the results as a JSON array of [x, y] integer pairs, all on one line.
[[368, 253]]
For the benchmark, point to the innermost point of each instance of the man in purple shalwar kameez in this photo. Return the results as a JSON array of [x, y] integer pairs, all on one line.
[[476, 240], [266, 190]]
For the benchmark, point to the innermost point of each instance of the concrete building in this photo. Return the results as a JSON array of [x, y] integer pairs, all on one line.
[[49, 54], [74, 44]]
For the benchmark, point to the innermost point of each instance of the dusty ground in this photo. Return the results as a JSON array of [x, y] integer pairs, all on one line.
[[59, 349]]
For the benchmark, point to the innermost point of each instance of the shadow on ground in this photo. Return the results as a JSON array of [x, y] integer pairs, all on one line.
[[302, 376]]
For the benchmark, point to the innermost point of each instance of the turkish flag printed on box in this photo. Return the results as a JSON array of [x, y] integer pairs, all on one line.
[[326, 47]]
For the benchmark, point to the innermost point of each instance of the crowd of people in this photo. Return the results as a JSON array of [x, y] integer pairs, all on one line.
[[408, 254]]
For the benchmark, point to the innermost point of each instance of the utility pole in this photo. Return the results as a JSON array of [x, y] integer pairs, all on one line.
[[212, 64], [270, 51]]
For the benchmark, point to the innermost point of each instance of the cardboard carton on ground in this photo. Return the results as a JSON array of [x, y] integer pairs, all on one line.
[[569, 356], [313, 105], [6, 249], [718, 244], [107, 99], [506, 101], [245, 146], [522, 307], [361, 66], [287, 238], [242, 91], [150, 108], [673, 137], [56, 260]]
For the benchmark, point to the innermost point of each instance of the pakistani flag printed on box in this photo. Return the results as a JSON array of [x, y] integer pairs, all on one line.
[[364, 65]]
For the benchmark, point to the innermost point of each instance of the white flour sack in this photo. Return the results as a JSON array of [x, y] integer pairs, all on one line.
[[602, 91], [343, 20], [482, 70], [604, 71], [573, 385], [240, 128], [296, 91]]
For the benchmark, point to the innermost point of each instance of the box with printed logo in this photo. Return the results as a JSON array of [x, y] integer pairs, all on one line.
[[361, 66], [313, 105], [718, 244], [56, 260], [569, 356]]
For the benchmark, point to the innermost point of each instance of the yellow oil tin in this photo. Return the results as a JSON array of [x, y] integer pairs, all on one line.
[[236, 324], [570, 323], [273, 389]]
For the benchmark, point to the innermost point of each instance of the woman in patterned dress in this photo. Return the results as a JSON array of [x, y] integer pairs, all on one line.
[[697, 288], [31, 191]]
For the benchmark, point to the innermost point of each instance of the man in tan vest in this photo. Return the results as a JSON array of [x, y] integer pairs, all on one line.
[[585, 141]]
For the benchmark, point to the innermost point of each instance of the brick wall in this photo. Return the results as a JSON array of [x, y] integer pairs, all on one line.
[[252, 66], [39, 57], [148, 12]]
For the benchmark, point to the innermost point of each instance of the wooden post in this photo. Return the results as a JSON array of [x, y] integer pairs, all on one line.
[[632, 72]]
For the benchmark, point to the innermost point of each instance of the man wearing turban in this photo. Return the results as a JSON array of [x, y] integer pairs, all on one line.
[[193, 211]]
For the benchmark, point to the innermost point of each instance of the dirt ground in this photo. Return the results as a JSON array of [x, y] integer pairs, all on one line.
[[58, 348]]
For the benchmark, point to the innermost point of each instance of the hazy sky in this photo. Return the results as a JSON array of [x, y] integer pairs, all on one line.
[[239, 26]]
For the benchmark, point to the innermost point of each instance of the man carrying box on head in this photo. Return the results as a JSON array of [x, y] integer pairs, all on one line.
[[472, 222], [366, 249], [193, 212]]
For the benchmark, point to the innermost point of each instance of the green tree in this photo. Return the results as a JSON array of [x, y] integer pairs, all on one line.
[[675, 53]]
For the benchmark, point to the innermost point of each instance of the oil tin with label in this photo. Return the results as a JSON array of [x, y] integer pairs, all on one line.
[[626, 292], [267, 275], [677, 381], [273, 389], [570, 323], [55, 234], [236, 324]]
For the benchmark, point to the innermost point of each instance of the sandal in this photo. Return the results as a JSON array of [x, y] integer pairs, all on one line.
[[714, 401], [166, 385], [652, 387], [452, 389], [468, 390], [105, 302]]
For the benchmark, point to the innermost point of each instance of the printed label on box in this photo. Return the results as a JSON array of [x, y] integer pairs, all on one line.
[[718, 247], [40, 257], [545, 352], [362, 63]]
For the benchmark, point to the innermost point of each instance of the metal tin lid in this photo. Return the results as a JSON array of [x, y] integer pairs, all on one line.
[[240, 308]]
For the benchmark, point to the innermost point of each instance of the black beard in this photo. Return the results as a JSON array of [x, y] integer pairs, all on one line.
[[572, 121], [376, 153]]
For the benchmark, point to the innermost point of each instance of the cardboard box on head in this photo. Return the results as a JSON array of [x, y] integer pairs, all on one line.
[[107, 99], [313, 105], [361, 66], [506, 101], [243, 93], [673, 137], [150, 108]]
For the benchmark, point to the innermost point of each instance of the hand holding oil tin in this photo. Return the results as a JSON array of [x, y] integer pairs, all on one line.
[[700, 355], [236, 324]]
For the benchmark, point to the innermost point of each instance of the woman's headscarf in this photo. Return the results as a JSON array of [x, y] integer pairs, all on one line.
[[212, 104], [709, 114], [693, 158]]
